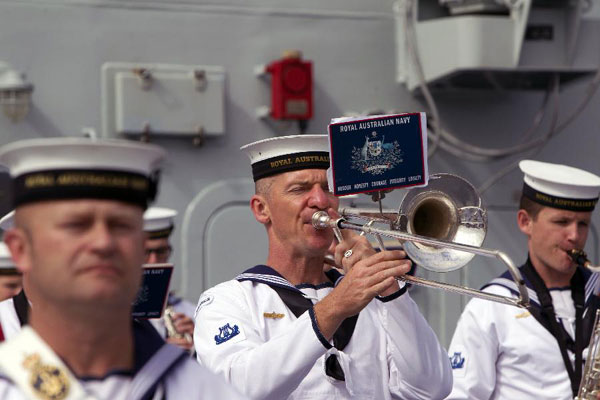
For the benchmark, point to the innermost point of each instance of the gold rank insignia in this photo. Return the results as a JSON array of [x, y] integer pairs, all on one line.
[[273, 315], [48, 381], [524, 314]]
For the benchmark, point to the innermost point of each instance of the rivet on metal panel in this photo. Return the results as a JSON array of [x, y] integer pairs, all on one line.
[[199, 137], [145, 77], [200, 78]]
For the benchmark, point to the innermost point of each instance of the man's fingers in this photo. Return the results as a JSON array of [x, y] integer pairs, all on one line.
[[384, 285], [357, 248], [383, 260], [388, 269]]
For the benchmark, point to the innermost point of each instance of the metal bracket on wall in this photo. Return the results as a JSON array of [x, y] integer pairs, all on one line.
[[174, 100]]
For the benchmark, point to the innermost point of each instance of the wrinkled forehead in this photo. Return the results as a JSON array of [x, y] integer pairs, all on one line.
[[10, 279], [309, 176], [156, 242], [557, 213], [52, 210]]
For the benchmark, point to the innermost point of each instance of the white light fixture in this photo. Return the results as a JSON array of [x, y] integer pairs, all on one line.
[[15, 93]]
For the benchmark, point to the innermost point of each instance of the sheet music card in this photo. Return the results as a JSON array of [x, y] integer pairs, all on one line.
[[152, 297], [375, 153]]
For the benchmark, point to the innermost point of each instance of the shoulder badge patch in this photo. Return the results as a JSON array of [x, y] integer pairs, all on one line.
[[226, 333], [48, 381], [457, 360]]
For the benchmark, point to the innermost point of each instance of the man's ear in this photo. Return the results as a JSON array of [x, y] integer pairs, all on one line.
[[260, 209], [18, 245], [524, 220]]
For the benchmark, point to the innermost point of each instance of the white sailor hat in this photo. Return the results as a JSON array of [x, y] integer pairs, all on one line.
[[560, 186], [71, 168], [7, 265], [159, 222], [8, 221], [287, 153]]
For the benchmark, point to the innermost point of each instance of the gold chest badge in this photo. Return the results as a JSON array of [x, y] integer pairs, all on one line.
[[273, 315], [48, 381], [524, 314]]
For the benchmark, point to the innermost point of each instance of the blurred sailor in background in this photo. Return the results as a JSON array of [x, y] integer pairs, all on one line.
[[289, 330], [10, 277], [79, 241], [504, 352], [14, 305], [177, 325], [10, 286]]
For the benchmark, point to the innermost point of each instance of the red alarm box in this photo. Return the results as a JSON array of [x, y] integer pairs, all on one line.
[[291, 87]]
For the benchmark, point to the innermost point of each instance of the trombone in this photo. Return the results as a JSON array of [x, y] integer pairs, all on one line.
[[440, 227]]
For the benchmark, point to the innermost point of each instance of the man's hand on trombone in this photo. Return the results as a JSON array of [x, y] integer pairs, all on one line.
[[368, 273], [356, 252]]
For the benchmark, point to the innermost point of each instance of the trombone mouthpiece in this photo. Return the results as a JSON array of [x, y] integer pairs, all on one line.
[[320, 220]]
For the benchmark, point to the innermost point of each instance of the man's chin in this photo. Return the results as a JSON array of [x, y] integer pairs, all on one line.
[[105, 295]]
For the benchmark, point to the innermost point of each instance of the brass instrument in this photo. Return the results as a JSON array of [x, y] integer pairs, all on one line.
[[589, 389], [580, 258], [440, 227], [168, 317]]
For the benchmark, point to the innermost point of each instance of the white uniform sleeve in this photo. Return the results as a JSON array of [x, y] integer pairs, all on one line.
[[474, 350], [259, 368], [419, 365], [8, 391]]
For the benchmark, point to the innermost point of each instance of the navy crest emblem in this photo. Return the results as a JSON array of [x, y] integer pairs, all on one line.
[[376, 156], [226, 332], [48, 381], [457, 360]]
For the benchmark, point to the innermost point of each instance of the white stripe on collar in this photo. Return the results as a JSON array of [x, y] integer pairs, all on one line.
[[265, 278]]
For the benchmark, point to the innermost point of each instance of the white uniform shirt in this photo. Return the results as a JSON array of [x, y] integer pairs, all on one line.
[[9, 319], [245, 332], [502, 352], [184, 380]]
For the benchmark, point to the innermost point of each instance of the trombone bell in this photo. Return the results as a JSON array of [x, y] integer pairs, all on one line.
[[449, 209]]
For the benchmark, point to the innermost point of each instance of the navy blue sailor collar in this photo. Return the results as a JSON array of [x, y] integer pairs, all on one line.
[[146, 342], [268, 276], [505, 280]]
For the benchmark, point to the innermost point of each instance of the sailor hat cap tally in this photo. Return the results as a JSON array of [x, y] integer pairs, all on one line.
[[8, 221], [287, 153], [7, 265], [75, 168], [560, 186], [159, 222]]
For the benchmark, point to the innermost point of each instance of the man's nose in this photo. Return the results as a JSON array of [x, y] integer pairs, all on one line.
[[319, 198], [151, 258], [102, 237], [573, 232]]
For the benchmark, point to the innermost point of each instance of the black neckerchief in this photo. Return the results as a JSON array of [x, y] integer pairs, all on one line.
[[21, 305], [298, 305], [547, 318]]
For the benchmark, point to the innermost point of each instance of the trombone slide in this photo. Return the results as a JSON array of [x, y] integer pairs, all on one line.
[[321, 220]]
